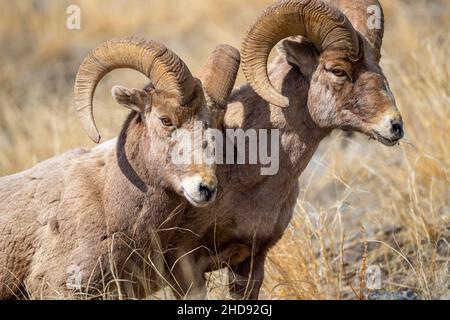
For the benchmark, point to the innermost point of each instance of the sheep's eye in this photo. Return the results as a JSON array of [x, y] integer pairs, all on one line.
[[339, 73], [166, 121]]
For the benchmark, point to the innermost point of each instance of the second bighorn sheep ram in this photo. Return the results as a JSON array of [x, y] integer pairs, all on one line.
[[87, 210], [329, 78]]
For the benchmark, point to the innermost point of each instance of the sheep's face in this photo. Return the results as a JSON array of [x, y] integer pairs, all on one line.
[[344, 94], [354, 96], [177, 144]]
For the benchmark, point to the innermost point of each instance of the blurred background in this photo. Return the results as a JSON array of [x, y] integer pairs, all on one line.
[[371, 222]]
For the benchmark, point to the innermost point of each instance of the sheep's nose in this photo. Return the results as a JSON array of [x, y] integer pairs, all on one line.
[[397, 129], [207, 192]]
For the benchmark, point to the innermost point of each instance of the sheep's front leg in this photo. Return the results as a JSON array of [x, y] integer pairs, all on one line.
[[186, 277], [247, 277]]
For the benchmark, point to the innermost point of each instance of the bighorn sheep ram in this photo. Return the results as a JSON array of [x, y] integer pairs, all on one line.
[[329, 78], [86, 210]]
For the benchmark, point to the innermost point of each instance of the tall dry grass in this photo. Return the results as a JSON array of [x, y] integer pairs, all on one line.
[[362, 205]]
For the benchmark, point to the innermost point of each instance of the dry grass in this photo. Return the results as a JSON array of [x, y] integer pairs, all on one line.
[[361, 204]]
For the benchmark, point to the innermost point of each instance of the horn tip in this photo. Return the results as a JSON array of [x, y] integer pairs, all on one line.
[[92, 132], [284, 103], [95, 137], [278, 100], [229, 50], [275, 99]]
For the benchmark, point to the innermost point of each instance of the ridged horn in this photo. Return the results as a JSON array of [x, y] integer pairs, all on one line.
[[361, 15], [165, 70], [219, 73], [321, 23]]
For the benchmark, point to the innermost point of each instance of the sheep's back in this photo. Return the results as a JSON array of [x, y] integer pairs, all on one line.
[[30, 200]]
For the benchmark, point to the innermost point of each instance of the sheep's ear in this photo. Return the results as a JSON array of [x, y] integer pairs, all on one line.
[[133, 99], [300, 53]]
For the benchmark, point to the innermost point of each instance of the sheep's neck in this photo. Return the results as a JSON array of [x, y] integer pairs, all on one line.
[[148, 202], [299, 136]]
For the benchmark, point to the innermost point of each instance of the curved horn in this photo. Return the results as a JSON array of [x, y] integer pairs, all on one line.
[[219, 73], [367, 17], [322, 24], [166, 71]]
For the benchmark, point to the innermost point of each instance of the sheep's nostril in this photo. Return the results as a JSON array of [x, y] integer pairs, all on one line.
[[206, 191], [397, 129]]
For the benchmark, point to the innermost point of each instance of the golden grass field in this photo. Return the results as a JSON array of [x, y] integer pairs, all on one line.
[[362, 205]]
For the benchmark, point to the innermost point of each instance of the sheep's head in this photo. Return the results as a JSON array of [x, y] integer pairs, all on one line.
[[347, 88], [174, 102]]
